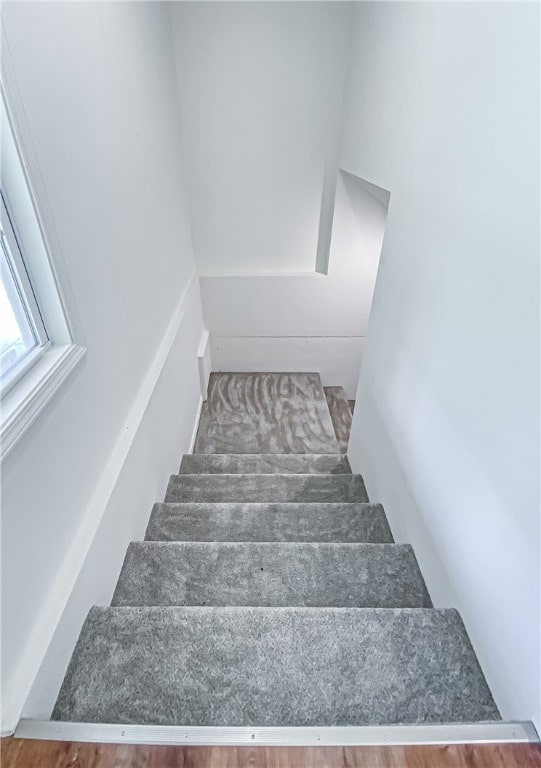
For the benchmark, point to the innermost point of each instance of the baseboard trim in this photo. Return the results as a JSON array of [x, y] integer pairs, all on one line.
[[204, 363], [196, 424], [453, 733]]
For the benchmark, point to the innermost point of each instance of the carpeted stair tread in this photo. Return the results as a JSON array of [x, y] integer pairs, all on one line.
[[269, 522], [273, 488], [273, 667], [270, 463], [265, 413], [271, 574], [268, 591], [341, 415]]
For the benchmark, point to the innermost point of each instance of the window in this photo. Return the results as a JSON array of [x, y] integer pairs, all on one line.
[[22, 332], [37, 349]]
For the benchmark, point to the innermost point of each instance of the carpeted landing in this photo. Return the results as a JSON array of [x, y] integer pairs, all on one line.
[[265, 413], [269, 591]]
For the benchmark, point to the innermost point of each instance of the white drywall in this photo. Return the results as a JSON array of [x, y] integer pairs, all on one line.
[[336, 358], [304, 322], [442, 108], [94, 97], [260, 86], [151, 457]]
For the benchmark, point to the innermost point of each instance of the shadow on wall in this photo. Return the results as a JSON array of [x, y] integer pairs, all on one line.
[[361, 214]]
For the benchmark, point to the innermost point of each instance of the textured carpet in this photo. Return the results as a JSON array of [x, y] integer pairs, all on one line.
[[269, 522], [271, 574], [341, 415], [273, 667], [270, 592], [265, 413], [273, 488], [263, 464]]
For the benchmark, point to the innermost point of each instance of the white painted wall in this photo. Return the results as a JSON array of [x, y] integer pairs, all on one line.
[[336, 358], [162, 428], [442, 108], [260, 86], [304, 322], [94, 96]]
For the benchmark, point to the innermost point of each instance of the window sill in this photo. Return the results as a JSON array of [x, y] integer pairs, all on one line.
[[23, 403]]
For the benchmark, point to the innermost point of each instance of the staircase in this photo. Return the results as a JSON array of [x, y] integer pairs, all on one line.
[[268, 590]]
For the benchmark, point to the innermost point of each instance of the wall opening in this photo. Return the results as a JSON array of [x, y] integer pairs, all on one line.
[[360, 218]]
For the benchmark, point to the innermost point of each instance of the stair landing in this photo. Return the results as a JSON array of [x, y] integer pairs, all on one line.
[[265, 413]]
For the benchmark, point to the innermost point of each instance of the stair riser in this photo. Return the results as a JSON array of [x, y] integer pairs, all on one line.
[[264, 464], [341, 415], [351, 575], [269, 522], [266, 488]]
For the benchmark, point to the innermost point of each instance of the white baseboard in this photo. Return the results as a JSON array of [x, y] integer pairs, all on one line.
[[204, 361], [196, 425], [336, 358]]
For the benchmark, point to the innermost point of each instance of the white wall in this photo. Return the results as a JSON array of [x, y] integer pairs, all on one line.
[[94, 97], [304, 322], [260, 86], [442, 108]]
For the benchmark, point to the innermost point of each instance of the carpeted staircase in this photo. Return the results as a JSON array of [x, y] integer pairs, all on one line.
[[268, 590]]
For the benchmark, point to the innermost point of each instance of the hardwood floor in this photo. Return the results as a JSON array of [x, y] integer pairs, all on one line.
[[25, 753]]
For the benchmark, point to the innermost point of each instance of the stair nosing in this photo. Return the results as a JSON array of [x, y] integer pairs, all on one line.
[[258, 541], [272, 503], [317, 609], [266, 474], [254, 453]]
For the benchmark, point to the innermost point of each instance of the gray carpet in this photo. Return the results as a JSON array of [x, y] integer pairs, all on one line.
[[271, 574], [263, 464], [272, 488], [269, 522], [265, 413], [341, 415], [273, 667], [268, 592]]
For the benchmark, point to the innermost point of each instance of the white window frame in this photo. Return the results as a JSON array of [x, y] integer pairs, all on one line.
[[57, 354], [24, 304]]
